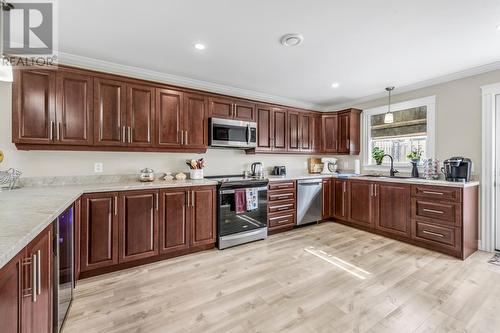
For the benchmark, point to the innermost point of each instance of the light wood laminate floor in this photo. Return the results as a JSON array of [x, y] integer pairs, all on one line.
[[321, 278]]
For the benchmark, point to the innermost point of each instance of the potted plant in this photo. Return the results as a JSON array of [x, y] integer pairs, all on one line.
[[414, 156], [378, 155]]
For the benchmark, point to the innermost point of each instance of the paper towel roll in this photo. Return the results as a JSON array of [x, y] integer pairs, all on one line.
[[357, 167]]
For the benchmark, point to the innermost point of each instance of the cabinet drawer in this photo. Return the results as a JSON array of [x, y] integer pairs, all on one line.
[[436, 212], [281, 195], [275, 206], [281, 185], [448, 236], [279, 220], [437, 192]]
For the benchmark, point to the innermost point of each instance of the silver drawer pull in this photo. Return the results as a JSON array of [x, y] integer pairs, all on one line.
[[281, 206], [433, 233], [280, 217], [34, 278], [433, 211], [432, 192]]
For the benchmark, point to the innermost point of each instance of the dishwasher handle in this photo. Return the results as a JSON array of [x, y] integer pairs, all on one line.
[[310, 184]]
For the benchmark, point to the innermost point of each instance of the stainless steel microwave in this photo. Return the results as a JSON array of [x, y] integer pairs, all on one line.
[[232, 133]]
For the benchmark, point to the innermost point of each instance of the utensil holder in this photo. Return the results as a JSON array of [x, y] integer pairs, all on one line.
[[196, 174]]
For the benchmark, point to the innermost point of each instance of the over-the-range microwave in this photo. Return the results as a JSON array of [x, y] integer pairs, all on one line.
[[232, 133]]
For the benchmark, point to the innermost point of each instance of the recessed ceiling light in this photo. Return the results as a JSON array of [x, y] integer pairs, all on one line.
[[199, 46], [291, 39], [335, 85]]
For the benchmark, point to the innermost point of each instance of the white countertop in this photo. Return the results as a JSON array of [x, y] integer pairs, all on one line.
[[26, 212]]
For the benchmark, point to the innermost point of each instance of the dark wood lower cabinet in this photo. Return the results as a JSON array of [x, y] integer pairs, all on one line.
[[127, 228], [327, 201], [393, 208], [340, 199], [11, 287], [361, 203]]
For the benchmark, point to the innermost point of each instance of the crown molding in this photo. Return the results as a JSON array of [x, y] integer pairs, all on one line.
[[419, 85], [140, 73]]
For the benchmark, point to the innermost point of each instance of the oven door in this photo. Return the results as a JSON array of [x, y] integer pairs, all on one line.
[[231, 222], [232, 133]]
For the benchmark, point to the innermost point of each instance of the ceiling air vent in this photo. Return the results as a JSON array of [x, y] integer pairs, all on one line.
[[291, 39]]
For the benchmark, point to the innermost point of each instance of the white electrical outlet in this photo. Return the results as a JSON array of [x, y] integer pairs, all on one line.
[[98, 167]]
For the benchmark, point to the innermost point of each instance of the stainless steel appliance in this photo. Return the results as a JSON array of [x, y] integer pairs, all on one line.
[[257, 169], [246, 225], [279, 171], [232, 133], [309, 200], [63, 267], [457, 169]]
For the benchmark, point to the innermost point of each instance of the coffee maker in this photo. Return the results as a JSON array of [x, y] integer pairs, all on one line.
[[457, 169]]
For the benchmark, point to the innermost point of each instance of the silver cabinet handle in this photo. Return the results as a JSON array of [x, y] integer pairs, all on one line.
[[432, 192], [433, 233], [371, 190], [123, 134], [280, 217], [51, 131], [116, 205], [34, 281], [130, 134], [38, 272], [58, 131], [182, 137], [192, 199], [156, 201], [186, 135], [433, 211]]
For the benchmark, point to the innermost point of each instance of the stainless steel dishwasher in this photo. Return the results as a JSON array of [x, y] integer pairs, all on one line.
[[309, 200]]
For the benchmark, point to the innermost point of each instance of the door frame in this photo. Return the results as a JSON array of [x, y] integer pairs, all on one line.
[[490, 193]]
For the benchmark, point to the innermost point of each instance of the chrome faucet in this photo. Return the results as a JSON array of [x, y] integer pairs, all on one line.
[[392, 171]]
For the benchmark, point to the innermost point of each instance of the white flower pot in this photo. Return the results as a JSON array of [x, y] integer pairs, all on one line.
[[196, 174]]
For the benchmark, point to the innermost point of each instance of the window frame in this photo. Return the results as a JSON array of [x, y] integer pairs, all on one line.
[[429, 102]]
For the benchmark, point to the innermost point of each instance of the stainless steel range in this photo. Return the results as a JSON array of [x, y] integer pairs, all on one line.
[[241, 210]]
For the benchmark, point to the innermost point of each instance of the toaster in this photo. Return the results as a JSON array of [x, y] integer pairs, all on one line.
[[279, 171]]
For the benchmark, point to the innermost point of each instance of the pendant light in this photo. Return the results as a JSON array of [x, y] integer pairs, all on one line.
[[5, 66], [389, 116]]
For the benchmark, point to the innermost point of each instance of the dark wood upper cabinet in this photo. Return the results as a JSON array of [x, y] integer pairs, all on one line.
[[393, 204], [244, 111], [138, 224], [11, 294], [169, 113], [316, 133], [99, 231], [203, 210], [361, 203], [221, 107], [110, 114], [174, 227], [74, 109], [40, 310], [330, 133], [293, 130], [306, 131], [327, 200], [265, 134], [343, 132], [140, 115], [34, 117], [279, 129], [195, 122], [340, 199]]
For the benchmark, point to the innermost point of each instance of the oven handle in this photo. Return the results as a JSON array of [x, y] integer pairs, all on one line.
[[248, 133], [264, 188]]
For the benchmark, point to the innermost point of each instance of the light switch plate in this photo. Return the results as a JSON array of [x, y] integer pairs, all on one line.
[[98, 167]]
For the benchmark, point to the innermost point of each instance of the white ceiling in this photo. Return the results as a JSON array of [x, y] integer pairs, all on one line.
[[363, 45]]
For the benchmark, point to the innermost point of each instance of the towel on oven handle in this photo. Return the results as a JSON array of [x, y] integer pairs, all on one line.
[[252, 195]]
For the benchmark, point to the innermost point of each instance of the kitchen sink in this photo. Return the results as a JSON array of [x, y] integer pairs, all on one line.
[[385, 176]]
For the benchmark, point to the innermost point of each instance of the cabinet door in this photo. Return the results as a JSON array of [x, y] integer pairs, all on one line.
[[34, 106], [203, 217], [340, 195], [221, 107], [99, 231], [174, 227], [393, 208], [138, 225], [305, 132], [326, 199], [293, 131], [140, 115], [37, 313], [195, 120], [343, 130], [74, 100], [361, 203], [109, 112], [316, 134], [264, 128], [11, 285], [244, 111], [330, 134], [279, 129], [169, 111]]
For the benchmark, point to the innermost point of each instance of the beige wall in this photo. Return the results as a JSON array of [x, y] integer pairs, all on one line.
[[458, 115], [49, 163], [458, 128]]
